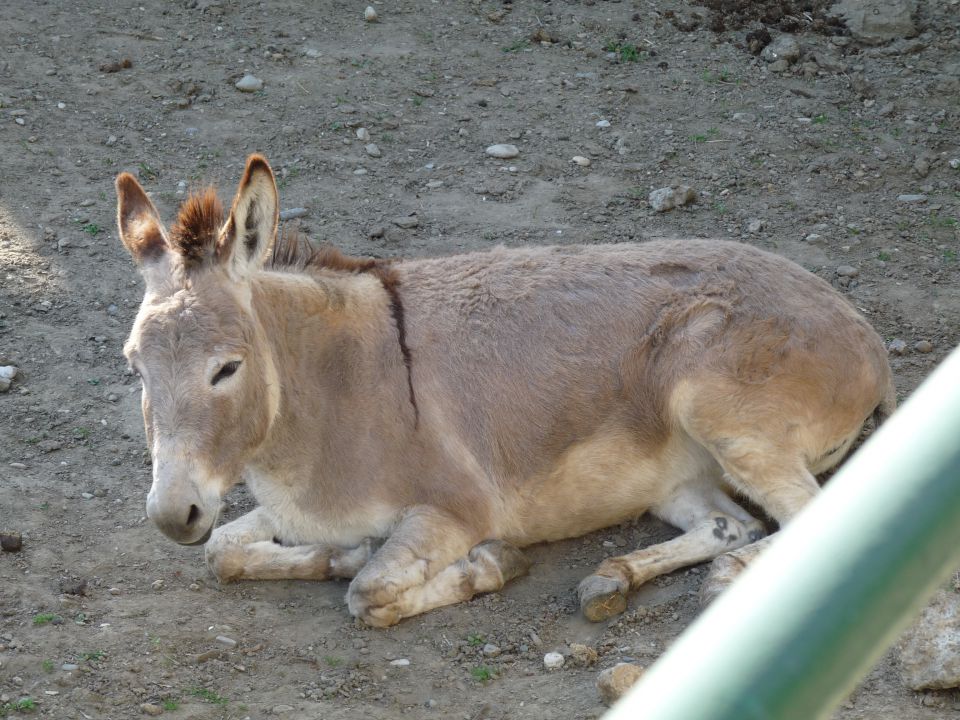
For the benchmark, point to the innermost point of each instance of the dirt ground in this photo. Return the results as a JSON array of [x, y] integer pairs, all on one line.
[[99, 614]]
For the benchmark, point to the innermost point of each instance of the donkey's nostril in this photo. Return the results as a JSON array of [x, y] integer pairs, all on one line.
[[193, 516]]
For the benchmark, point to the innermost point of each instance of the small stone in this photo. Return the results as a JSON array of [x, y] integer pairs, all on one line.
[[553, 661], [583, 654], [877, 21], [69, 667], [754, 227], [7, 374], [613, 682], [780, 66], [157, 584], [373, 150], [930, 649], [400, 662], [226, 641], [954, 163], [151, 709], [363, 134], [921, 167], [912, 198], [86, 496], [491, 650], [603, 123], [193, 587], [407, 222], [923, 346], [112, 309], [110, 141], [114, 591], [897, 347], [744, 117], [668, 198], [11, 541], [581, 161], [377, 232], [282, 709], [292, 213], [847, 271], [434, 184], [248, 84], [784, 47], [370, 15], [503, 151]]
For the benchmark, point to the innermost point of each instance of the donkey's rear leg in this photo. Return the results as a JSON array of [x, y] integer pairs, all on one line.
[[713, 525]]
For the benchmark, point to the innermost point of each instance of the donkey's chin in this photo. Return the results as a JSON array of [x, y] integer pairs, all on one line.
[[201, 540]]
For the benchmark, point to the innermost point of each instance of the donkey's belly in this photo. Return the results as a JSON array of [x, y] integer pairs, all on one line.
[[600, 482]]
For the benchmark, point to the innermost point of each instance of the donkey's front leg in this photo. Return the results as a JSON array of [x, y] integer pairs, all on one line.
[[426, 541], [245, 549]]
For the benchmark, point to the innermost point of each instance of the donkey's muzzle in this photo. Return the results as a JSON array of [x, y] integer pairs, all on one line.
[[183, 523]]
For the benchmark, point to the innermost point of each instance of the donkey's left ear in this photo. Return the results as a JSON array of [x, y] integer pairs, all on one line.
[[248, 235]]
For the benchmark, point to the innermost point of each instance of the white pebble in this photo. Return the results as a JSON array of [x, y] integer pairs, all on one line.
[[370, 15], [581, 161], [553, 661], [400, 662], [363, 134], [955, 163], [61, 106], [225, 641], [603, 123], [249, 83], [503, 151], [373, 150]]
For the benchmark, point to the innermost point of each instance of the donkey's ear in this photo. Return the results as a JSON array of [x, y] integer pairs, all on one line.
[[250, 230], [139, 223]]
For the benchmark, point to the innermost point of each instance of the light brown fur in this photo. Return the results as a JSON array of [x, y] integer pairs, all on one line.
[[512, 396]]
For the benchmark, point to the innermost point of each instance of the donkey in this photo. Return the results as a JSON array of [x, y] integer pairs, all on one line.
[[412, 424]]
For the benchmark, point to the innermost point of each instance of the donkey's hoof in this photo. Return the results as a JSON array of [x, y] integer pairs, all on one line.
[[601, 598], [509, 559]]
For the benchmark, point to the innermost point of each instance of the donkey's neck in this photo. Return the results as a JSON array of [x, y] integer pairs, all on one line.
[[334, 342]]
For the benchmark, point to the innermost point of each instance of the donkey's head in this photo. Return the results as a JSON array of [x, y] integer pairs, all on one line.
[[210, 387]]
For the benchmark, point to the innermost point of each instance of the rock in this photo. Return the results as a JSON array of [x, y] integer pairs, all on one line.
[[877, 21], [503, 151], [603, 123], [363, 134], [930, 649], [912, 198], [110, 141], [780, 66], [151, 709], [581, 161], [226, 641], [248, 83], [370, 15], [668, 198], [7, 374], [923, 346], [73, 586], [377, 232], [282, 709], [491, 650], [613, 682], [292, 213], [553, 661], [754, 227], [400, 662], [157, 584], [69, 667], [373, 150], [406, 222], [847, 271], [897, 347], [583, 654], [744, 117], [784, 47], [11, 541], [921, 167]]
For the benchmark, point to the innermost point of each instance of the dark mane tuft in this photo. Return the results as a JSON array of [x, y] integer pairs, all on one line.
[[195, 232]]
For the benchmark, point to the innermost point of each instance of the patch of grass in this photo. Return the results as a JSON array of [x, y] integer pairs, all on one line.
[[519, 45], [482, 674], [950, 255], [941, 221], [91, 229], [336, 125], [169, 704], [417, 101], [720, 208], [47, 666], [625, 51], [209, 696], [43, 506], [723, 75], [475, 639], [95, 655], [44, 618], [24, 704], [333, 661], [148, 172], [819, 119], [885, 256], [81, 433]]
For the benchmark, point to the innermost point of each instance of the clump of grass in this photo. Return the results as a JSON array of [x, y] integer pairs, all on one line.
[[625, 51], [482, 674], [169, 704], [517, 46], [475, 639], [209, 696], [44, 618]]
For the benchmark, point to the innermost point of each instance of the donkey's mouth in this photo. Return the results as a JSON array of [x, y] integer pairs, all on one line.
[[201, 540]]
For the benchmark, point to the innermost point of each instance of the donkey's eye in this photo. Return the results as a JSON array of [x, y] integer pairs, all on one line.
[[226, 371]]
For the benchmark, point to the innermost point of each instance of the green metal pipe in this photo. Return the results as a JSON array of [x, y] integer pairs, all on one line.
[[792, 637]]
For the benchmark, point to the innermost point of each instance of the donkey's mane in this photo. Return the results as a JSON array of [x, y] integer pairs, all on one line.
[[195, 232]]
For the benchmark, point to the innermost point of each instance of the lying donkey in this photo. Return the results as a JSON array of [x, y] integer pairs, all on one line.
[[462, 407]]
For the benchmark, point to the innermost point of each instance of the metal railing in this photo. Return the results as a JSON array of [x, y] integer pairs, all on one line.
[[792, 637]]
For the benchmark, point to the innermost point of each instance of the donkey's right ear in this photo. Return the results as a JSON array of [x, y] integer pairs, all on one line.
[[139, 223]]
